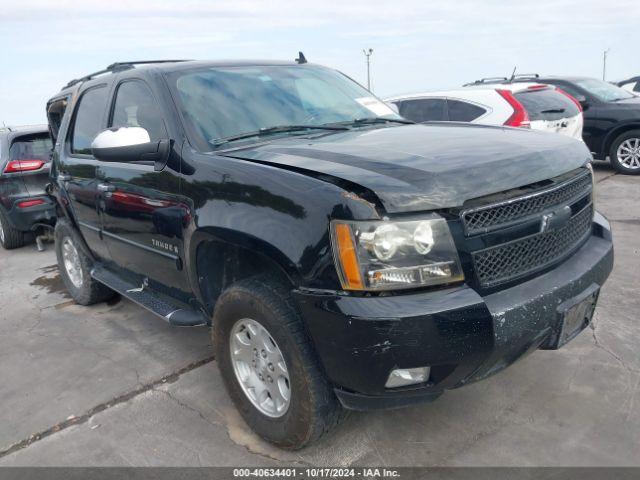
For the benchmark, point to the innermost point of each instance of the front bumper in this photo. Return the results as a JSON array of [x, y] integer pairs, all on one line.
[[24, 219], [463, 336]]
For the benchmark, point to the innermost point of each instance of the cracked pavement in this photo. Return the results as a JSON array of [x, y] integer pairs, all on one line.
[[113, 385]]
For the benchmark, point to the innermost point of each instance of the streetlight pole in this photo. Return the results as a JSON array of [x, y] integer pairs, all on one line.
[[367, 53], [604, 63]]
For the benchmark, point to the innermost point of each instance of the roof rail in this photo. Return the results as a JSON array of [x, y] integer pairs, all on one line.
[[487, 80], [526, 75], [116, 67]]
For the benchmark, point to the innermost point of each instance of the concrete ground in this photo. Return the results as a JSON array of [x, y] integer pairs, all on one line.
[[113, 385]]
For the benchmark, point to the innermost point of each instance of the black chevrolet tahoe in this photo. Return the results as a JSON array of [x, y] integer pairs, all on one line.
[[344, 257], [25, 155]]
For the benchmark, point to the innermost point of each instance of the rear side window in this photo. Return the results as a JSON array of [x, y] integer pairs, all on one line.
[[31, 147], [88, 120], [136, 107], [463, 111], [423, 109], [547, 104]]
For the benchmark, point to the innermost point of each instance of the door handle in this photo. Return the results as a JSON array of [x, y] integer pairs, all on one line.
[[105, 187], [64, 177]]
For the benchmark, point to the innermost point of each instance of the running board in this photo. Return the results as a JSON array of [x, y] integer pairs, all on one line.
[[172, 313]]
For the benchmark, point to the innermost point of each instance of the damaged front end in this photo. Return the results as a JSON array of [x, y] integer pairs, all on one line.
[[533, 258]]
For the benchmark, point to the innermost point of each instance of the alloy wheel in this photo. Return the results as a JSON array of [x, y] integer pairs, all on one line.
[[71, 260], [628, 153], [260, 368]]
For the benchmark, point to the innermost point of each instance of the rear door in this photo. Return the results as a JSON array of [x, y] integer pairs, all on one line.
[[144, 214], [551, 111], [424, 109]]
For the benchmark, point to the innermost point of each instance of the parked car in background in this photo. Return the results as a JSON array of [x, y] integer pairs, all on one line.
[[345, 257], [25, 154], [531, 105], [611, 117], [631, 84]]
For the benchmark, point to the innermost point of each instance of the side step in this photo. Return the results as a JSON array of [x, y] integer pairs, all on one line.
[[162, 306]]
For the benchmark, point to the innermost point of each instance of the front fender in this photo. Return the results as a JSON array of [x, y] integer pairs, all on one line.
[[277, 213]]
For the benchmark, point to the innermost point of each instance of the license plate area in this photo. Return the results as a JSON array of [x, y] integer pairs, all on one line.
[[574, 315]]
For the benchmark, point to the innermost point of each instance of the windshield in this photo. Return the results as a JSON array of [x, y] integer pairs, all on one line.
[[603, 91], [222, 102]]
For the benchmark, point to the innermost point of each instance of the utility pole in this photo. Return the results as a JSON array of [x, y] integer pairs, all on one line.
[[367, 53], [604, 63]]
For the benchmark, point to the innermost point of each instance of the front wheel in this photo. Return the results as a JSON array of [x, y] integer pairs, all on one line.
[[268, 366], [625, 153]]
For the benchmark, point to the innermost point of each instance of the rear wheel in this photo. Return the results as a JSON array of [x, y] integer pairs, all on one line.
[[10, 238], [75, 267], [625, 153], [268, 366]]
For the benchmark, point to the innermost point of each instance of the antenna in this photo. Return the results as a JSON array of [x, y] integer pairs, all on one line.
[[513, 74], [301, 58]]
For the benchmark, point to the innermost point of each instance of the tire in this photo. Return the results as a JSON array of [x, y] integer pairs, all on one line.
[[81, 286], [313, 408], [625, 153], [10, 238]]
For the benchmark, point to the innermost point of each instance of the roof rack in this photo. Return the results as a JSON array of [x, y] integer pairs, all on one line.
[[117, 67]]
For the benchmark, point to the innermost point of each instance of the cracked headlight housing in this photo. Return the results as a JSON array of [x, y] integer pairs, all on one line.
[[393, 255]]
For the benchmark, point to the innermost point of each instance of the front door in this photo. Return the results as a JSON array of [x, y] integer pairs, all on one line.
[[143, 212], [78, 168]]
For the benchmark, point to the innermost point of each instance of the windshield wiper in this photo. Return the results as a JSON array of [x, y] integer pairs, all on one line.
[[372, 120], [553, 110], [271, 130]]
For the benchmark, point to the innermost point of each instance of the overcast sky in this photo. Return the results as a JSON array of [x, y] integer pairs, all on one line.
[[418, 44]]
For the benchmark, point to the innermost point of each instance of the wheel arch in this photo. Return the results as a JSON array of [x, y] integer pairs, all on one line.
[[616, 132], [221, 257]]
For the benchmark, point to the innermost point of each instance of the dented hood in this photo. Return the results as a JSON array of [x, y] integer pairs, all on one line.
[[426, 167]]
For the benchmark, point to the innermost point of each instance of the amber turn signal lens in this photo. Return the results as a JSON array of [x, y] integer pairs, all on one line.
[[348, 260]]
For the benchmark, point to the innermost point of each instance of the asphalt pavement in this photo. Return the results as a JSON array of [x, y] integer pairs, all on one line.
[[112, 385]]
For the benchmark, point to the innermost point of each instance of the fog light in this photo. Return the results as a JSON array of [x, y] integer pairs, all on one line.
[[407, 376]]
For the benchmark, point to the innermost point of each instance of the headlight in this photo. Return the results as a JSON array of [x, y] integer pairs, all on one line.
[[386, 255]]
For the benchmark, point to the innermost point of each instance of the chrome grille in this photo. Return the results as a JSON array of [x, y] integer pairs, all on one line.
[[523, 256], [497, 215]]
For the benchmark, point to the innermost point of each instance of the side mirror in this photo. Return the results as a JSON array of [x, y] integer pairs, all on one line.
[[130, 144]]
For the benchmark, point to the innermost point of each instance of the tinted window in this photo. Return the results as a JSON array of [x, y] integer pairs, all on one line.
[[136, 107], [547, 104], [463, 111], [88, 120], [31, 147], [423, 109]]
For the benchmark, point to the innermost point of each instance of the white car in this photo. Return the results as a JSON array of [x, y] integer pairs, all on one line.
[[527, 105]]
